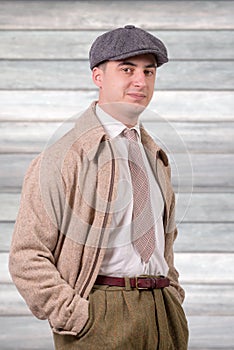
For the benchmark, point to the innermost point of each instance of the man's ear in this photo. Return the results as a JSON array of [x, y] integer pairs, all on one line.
[[97, 76]]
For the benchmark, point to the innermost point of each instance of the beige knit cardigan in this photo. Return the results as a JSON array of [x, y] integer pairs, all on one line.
[[61, 232]]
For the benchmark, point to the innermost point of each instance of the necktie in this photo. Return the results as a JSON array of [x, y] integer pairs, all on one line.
[[142, 219]]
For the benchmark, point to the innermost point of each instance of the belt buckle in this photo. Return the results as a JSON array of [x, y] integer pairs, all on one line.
[[141, 277]]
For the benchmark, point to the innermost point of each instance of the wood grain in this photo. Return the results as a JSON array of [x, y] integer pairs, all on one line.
[[96, 15], [178, 137], [193, 237], [190, 171], [56, 45], [205, 268], [208, 300], [11, 302], [211, 332], [205, 237], [25, 333], [191, 207], [9, 206], [206, 333], [196, 268], [203, 300], [6, 231], [205, 207], [48, 106], [73, 75]]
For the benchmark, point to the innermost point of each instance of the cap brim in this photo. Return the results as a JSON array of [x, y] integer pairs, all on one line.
[[160, 57]]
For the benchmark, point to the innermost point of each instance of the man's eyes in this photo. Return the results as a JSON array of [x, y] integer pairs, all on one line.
[[149, 72], [129, 70]]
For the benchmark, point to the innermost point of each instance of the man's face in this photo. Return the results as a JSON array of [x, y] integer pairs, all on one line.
[[129, 81]]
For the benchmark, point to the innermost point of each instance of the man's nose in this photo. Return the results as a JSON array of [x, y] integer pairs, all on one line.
[[139, 79]]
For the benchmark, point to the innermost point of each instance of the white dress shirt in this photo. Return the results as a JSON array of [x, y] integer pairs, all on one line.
[[121, 258]]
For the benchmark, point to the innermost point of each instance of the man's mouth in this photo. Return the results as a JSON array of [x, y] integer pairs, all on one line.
[[138, 96]]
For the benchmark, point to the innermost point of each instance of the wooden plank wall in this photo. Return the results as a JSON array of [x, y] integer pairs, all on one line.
[[45, 79]]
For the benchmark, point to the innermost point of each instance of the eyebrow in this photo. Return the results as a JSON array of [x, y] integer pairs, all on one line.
[[129, 63]]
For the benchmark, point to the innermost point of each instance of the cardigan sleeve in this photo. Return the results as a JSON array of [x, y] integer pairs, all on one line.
[[170, 237], [31, 261]]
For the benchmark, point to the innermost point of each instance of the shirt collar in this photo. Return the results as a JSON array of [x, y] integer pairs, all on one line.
[[112, 126]]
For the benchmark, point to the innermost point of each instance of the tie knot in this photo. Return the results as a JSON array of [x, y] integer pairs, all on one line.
[[130, 134]]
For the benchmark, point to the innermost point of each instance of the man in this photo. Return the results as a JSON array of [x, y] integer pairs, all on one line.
[[92, 249]]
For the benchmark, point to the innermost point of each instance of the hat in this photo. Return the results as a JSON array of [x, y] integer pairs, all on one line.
[[126, 42]]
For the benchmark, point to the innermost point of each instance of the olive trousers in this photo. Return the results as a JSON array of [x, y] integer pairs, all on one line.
[[133, 319]]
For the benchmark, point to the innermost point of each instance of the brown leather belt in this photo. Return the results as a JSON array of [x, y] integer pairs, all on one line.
[[140, 282]]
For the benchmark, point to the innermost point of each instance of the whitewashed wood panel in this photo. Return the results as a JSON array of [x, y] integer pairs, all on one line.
[[179, 75], [199, 172], [193, 137], [203, 300], [25, 333], [205, 268], [96, 15], [76, 44], [209, 299], [187, 106], [4, 272], [205, 237], [211, 333], [195, 268], [192, 237], [205, 207], [9, 206], [28, 333], [38, 75], [32, 137], [13, 170], [18, 137], [11, 302], [190, 172], [6, 231], [191, 207], [44, 105]]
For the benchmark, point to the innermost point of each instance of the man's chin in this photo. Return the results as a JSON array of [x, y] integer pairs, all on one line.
[[138, 107], [125, 112], [131, 108]]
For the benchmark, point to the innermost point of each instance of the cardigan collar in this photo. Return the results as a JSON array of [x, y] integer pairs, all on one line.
[[91, 133]]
